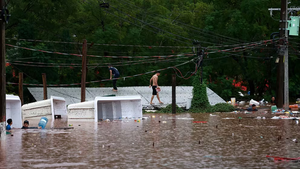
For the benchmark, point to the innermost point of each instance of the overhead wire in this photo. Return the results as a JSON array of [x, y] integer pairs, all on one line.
[[187, 25]]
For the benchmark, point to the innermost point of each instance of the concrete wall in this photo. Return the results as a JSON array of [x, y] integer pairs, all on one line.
[[72, 95]]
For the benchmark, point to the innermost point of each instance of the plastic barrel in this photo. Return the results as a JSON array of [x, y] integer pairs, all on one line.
[[43, 122], [273, 108]]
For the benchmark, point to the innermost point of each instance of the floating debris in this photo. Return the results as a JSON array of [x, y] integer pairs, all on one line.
[[184, 118], [199, 121], [275, 158]]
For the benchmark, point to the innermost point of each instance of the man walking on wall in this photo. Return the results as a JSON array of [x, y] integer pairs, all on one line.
[[114, 73], [155, 86]]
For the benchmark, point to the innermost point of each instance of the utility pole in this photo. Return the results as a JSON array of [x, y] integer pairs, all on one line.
[[282, 51], [21, 87], [282, 90], [83, 71], [3, 73], [199, 54], [44, 85], [173, 94], [284, 15]]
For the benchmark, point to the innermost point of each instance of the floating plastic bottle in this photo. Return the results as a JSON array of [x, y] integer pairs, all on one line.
[[43, 122]]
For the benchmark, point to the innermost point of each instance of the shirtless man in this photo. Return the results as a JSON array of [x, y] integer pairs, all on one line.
[[154, 80]]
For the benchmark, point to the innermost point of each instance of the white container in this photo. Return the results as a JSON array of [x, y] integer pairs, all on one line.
[[84, 110], [254, 102], [118, 107], [189, 103], [242, 103], [53, 106], [233, 101], [13, 110]]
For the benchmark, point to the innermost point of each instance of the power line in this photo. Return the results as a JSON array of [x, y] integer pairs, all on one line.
[[195, 28], [125, 77]]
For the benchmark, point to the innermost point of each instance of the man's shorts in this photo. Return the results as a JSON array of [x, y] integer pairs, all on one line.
[[154, 92]]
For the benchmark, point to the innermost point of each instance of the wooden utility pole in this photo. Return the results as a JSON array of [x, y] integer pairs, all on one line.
[[21, 87], [173, 94], [83, 74], [3, 74], [282, 52], [285, 57], [44, 85]]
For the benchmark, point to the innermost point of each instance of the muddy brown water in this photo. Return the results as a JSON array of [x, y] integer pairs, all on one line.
[[224, 143]]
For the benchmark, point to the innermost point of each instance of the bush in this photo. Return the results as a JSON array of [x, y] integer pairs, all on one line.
[[168, 109], [200, 100], [223, 107]]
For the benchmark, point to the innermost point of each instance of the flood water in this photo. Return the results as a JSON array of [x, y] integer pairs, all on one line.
[[172, 143]]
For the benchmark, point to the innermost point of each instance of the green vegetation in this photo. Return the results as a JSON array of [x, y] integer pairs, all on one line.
[[168, 109], [200, 100], [222, 107], [214, 23]]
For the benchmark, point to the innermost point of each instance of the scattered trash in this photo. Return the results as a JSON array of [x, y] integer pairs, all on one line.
[[261, 137], [138, 120], [70, 124], [254, 102], [185, 118], [278, 111], [240, 118], [164, 122], [242, 103], [107, 120], [228, 118], [199, 121], [273, 108], [295, 140], [279, 138], [212, 115], [258, 117], [207, 156], [274, 158], [232, 134], [284, 117], [153, 116]]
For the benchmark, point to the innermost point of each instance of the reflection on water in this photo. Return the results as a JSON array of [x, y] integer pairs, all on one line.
[[225, 141]]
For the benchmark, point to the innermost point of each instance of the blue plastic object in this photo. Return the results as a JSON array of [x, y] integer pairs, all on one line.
[[43, 122]]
